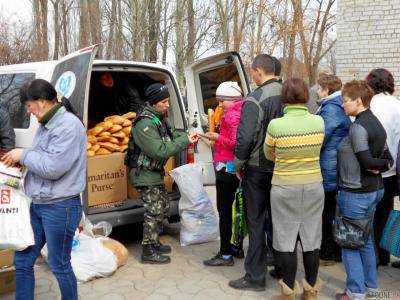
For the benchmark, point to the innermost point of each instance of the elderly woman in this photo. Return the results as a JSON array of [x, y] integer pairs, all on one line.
[[362, 156], [56, 176], [294, 142], [230, 98], [386, 108], [336, 128]]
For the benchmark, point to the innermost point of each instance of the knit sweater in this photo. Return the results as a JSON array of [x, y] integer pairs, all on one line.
[[294, 142]]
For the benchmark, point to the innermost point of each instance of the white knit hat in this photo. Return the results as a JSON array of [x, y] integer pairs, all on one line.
[[229, 90]]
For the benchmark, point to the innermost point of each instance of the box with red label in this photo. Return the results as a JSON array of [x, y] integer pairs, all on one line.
[[5, 195]]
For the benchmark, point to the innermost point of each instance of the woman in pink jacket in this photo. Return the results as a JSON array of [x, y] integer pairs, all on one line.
[[230, 98]]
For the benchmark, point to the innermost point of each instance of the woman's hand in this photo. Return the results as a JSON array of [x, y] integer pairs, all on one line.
[[376, 172], [212, 136], [12, 157], [193, 137]]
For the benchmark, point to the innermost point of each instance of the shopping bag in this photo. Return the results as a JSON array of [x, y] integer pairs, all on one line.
[[390, 240], [239, 225], [15, 221], [199, 223]]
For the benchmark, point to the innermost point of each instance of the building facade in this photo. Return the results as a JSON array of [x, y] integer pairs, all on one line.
[[368, 36]]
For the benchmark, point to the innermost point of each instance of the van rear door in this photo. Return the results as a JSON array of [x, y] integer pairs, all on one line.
[[202, 80], [71, 78]]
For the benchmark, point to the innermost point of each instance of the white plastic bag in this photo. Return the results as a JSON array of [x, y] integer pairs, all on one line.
[[15, 221], [89, 258], [199, 224]]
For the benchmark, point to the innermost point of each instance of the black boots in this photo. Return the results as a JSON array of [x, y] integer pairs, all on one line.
[[151, 256], [162, 249]]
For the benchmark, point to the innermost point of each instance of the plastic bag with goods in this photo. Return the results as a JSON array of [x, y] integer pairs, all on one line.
[[199, 224], [15, 222]]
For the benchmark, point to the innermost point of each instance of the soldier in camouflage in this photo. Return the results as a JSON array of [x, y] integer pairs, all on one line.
[[152, 143]]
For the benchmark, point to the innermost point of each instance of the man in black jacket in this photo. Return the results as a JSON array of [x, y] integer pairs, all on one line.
[[259, 108], [7, 135]]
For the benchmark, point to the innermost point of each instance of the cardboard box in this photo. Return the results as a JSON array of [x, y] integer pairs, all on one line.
[[7, 280], [168, 181], [107, 179], [6, 258]]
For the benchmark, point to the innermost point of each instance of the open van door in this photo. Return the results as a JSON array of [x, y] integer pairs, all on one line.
[[71, 78], [202, 79]]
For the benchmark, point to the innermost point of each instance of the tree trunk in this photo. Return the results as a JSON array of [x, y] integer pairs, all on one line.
[[179, 42], [259, 26], [191, 33], [83, 24], [119, 43], [56, 29], [165, 33], [110, 40], [40, 22], [64, 26], [152, 36], [95, 23]]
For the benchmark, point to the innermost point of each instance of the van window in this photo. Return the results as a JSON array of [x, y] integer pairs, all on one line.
[[9, 97], [210, 80]]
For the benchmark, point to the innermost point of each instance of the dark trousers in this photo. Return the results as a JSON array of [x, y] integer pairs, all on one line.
[[256, 191], [288, 262], [226, 184], [329, 249], [382, 212]]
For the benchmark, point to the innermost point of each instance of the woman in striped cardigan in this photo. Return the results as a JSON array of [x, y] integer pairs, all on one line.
[[294, 142]]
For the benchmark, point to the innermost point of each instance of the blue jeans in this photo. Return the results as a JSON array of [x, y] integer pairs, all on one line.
[[55, 224], [360, 264]]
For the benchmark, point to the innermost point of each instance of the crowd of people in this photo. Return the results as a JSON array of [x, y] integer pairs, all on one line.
[[298, 170]]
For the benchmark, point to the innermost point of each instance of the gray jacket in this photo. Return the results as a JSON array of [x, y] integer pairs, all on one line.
[[7, 135], [56, 162], [259, 108]]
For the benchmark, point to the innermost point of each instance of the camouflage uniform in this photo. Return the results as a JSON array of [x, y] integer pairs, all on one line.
[[152, 143], [156, 203]]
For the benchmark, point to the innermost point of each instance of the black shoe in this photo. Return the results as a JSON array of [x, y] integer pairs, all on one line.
[[237, 251], [244, 283], [150, 256], [219, 261], [396, 264], [163, 249], [275, 274]]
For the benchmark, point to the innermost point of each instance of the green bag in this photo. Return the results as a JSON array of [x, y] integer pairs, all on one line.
[[239, 224]]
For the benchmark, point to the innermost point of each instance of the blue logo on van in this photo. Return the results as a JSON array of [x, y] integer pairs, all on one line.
[[65, 84]]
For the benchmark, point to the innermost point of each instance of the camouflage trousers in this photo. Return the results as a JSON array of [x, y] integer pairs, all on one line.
[[156, 204]]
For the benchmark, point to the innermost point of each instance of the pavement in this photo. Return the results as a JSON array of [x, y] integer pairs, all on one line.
[[186, 277]]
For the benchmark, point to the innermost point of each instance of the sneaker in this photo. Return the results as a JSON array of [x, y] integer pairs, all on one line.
[[372, 294], [342, 296], [244, 283], [396, 264], [219, 261]]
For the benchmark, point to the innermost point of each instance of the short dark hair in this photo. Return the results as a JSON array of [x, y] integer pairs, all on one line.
[[330, 82], [381, 81], [358, 89], [278, 66], [39, 89], [294, 91], [264, 62]]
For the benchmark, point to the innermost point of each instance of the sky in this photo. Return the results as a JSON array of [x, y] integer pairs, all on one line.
[[16, 9]]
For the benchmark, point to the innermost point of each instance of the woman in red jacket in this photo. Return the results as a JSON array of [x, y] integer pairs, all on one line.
[[230, 98]]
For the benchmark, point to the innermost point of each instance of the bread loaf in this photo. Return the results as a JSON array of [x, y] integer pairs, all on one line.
[[91, 139], [105, 133], [103, 138], [115, 128], [95, 147], [119, 134], [113, 140], [116, 120], [103, 151], [97, 130], [211, 123], [123, 148], [127, 123], [90, 153], [125, 141], [119, 250], [130, 115], [127, 130], [109, 146], [88, 145]]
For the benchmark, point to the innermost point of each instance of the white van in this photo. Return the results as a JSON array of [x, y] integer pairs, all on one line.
[[74, 75]]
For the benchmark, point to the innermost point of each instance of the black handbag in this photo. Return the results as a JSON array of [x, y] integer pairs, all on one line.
[[351, 233]]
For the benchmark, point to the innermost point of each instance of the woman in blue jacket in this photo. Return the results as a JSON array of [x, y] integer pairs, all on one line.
[[56, 177], [336, 128]]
